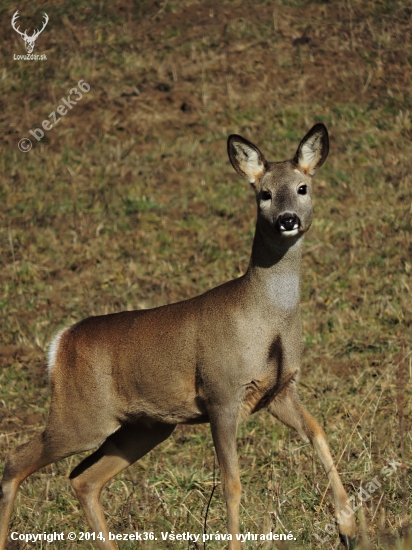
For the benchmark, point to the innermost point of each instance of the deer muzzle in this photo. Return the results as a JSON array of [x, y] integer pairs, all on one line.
[[288, 224]]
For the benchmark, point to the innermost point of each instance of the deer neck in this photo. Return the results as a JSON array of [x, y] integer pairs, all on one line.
[[274, 271]]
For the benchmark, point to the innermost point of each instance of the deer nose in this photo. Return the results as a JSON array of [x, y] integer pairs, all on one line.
[[288, 221]]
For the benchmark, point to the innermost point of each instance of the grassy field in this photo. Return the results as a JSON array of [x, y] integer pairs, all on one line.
[[130, 202]]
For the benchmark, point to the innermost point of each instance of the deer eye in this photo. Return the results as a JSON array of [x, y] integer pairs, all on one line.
[[303, 189], [266, 196]]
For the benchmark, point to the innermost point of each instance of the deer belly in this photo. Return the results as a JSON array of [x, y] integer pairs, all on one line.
[[171, 399]]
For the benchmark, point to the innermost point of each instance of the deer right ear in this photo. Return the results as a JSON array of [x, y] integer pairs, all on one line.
[[246, 158]]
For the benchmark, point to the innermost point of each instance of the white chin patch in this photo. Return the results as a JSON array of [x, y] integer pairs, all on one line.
[[291, 232]]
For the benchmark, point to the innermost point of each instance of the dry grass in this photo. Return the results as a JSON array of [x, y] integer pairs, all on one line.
[[130, 202]]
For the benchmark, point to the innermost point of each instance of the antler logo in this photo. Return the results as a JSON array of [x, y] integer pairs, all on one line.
[[29, 40]]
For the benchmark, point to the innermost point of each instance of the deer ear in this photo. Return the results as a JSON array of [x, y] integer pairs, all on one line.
[[246, 158], [313, 149]]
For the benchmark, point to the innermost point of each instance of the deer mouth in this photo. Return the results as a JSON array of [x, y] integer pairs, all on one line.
[[290, 233], [288, 225]]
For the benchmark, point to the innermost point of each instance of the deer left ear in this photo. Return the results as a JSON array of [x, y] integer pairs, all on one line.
[[313, 149]]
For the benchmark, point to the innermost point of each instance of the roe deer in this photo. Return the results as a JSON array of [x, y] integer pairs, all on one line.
[[125, 380]]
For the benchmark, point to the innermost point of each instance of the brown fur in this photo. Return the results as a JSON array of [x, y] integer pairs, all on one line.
[[125, 380]]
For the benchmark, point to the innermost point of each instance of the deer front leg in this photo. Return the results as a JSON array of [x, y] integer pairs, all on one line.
[[224, 437], [288, 409]]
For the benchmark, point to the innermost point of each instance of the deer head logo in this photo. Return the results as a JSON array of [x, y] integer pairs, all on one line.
[[29, 40]]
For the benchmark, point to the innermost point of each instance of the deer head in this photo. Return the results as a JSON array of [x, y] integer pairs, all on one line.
[[29, 40]]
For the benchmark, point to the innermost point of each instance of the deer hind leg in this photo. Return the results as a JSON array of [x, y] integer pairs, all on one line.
[[22, 462], [288, 409], [224, 438], [41, 450], [65, 435], [118, 452]]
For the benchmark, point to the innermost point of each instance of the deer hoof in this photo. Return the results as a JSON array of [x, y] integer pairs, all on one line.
[[348, 542]]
